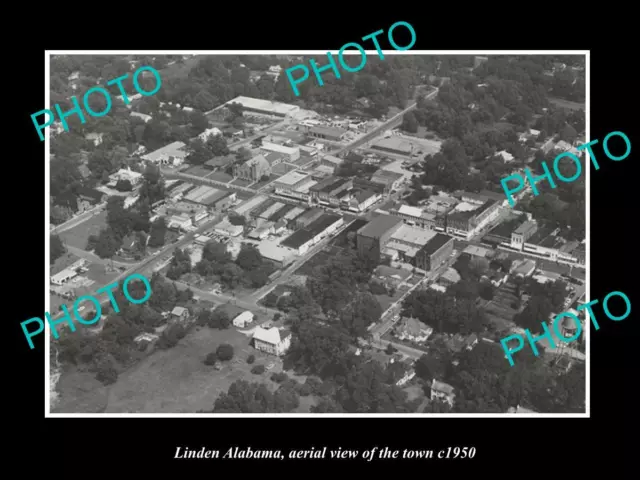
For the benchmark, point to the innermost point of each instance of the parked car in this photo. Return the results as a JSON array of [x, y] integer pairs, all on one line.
[[270, 366]]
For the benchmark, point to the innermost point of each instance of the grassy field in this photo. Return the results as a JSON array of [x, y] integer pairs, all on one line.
[[78, 235], [220, 177], [171, 381]]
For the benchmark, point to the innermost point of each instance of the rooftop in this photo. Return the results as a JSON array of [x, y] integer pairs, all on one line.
[[435, 243], [441, 387], [379, 225], [329, 131], [292, 178], [302, 236], [274, 147], [175, 149], [251, 204], [272, 335], [394, 143], [524, 228], [413, 235], [266, 105]]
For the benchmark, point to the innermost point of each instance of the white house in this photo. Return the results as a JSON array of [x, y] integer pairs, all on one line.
[[243, 319], [272, 340], [126, 174], [442, 391], [210, 132], [414, 330]]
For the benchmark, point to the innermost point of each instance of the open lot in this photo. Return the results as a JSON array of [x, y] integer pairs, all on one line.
[[78, 235], [220, 177], [177, 380]]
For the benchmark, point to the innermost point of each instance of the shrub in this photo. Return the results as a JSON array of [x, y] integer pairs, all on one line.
[[279, 377], [211, 359], [304, 390], [258, 369], [251, 359], [224, 352]]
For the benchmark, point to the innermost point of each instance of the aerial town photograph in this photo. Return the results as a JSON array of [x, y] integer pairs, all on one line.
[[347, 250]]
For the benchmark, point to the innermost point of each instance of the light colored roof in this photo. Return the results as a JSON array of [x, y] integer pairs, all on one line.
[[411, 211], [174, 149], [413, 235], [441, 387], [266, 105], [257, 160], [143, 116], [250, 204], [245, 316], [477, 251], [178, 310], [271, 335], [394, 143], [274, 147], [292, 178], [332, 159]]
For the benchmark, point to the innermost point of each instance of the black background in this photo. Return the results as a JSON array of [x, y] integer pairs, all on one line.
[[505, 446]]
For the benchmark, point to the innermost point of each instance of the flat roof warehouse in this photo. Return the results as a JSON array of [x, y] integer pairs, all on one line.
[[303, 235]]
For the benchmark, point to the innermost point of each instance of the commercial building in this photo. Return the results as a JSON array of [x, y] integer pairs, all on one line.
[[359, 200], [394, 144], [279, 256], [375, 234], [244, 209], [415, 216], [68, 273], [305, 238], [253, 170], [228, 229], [290, 154], [172, 155], [310, 215], [327, 133], [523, 233], [437, 249], [331, 161], [327, 190], [466, 219], [265, 107], [180, 222], [405, 243], [389, 180], [291, 184]]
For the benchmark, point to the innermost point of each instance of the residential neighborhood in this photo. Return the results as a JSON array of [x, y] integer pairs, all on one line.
[[350, 250]]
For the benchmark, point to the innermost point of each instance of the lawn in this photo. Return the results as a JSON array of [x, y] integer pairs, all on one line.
[[177, 380], [78, 235], [240, 182], [220, 177]]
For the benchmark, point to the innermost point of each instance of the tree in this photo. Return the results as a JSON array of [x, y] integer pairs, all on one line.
[[219, 319], [251, 358], [409, 123], [56, 248], [124, 185], [237, 219], [157, 233], [224, 352], [258, 369], [390, 350], [211, 358], [249, 257]]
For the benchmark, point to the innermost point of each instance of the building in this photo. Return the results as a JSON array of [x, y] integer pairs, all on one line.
[[290, 154], [466, 219], [518, 409], [376, 233], [145, 118], [302, 240], [262, 231], [360, 200], [265, 107], [68, 273], [293, 185], [228, 229], [413, 329], [272, 340], [523, 268], [253, 170], [245, 318], [274, 158], [415, 216], [407, 241], [394, 144], [390, 180], [523, 233], [179, 314], [304, 219], [180, 222], [145, 339], [276, 254], [225, 201], [172, 155], [89, 198], [326, 191], [331, 161], [208, 133], [133, 177], [442, 391], [245, 208], [435, 252], [326, 133]]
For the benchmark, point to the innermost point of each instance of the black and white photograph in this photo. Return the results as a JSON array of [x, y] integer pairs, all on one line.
[[255, 235]]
